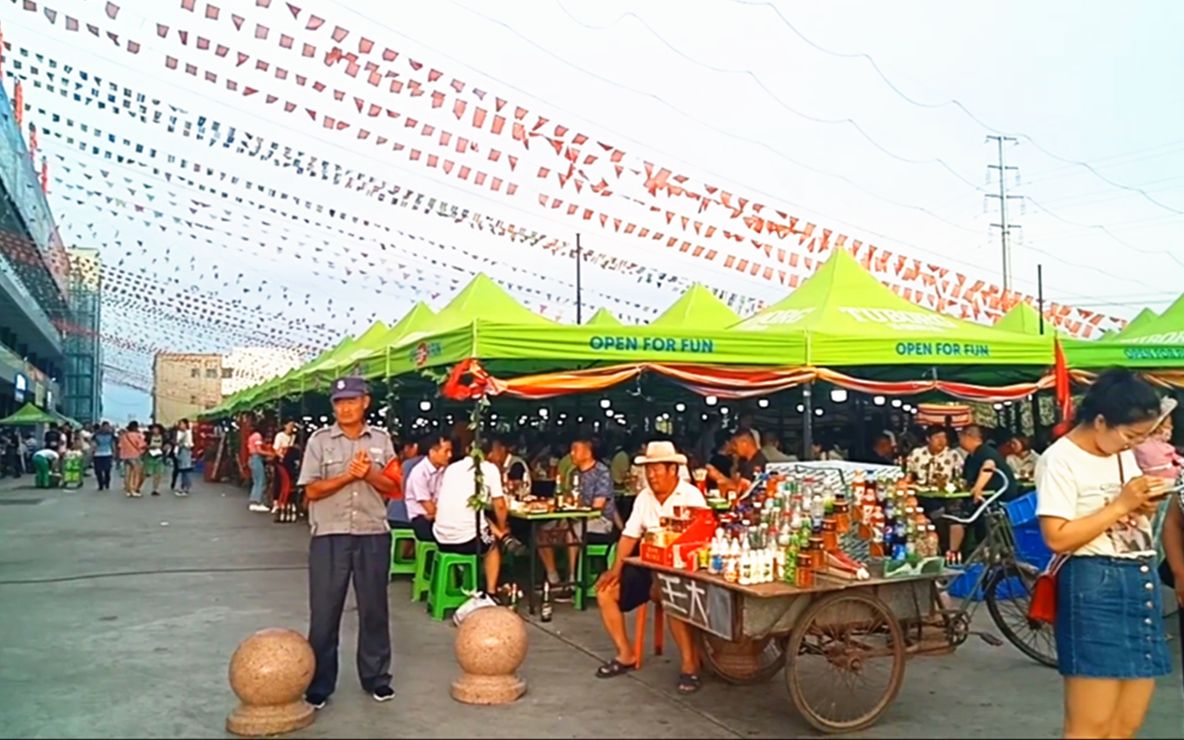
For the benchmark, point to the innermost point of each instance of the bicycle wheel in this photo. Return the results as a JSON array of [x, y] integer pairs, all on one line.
[[1008, 595]]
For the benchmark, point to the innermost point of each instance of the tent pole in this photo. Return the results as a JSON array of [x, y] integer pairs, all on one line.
[[808, 421], [579, 284], [1040, 294]]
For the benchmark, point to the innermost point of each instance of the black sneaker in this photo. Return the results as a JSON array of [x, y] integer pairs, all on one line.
[[383, 693], [316, 701]]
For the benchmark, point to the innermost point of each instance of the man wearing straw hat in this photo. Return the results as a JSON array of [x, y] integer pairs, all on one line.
[[623, 587]]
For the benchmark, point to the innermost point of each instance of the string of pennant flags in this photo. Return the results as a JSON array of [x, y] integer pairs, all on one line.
[[406, 198], [651, 202]]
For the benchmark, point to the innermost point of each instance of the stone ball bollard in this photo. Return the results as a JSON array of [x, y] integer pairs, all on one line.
[[490, 647], [269, 672]]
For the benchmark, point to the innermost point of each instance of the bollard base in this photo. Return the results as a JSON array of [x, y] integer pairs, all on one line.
[[257, 721], [473, 689]]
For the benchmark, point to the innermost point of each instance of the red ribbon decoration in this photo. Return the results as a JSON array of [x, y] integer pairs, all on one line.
[[457, 389]]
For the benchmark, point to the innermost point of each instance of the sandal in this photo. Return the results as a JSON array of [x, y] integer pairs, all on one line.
[[614, 668], [689, 683]]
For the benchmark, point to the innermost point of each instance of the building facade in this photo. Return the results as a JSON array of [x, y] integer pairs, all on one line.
[[184, 385], [34, 304], [82, 393]]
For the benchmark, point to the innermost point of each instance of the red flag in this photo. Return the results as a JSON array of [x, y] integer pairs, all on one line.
[[1064, 391]]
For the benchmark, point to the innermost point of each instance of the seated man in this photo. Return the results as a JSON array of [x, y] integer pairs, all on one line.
[[456, 527], [422, 486], [623, 588], [595, 485]]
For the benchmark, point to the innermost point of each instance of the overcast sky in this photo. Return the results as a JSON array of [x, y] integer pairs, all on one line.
[[1085, 81]]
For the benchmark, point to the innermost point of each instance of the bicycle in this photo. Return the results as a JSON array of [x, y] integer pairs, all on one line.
[[1006, 583]]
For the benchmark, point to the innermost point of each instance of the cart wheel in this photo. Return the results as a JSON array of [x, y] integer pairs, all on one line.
[[742, 663], [847, 662]]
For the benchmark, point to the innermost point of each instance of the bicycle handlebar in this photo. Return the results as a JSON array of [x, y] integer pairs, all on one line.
[[979, 511]]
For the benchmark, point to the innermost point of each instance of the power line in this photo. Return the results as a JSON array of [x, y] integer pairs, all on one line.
[[960, 106], [768, 91], [708, 125], [1099, 227]]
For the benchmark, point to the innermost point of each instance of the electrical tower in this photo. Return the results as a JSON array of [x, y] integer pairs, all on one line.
[[1005, 227]]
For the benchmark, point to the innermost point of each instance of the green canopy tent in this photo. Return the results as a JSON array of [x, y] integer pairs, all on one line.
[[1158, 344], [849, 318], [346, 363], [63, 419], [419, 319], [29, 415], [603, 318], [1023, 318], [486, 323], [1134, 327], [699, 308]]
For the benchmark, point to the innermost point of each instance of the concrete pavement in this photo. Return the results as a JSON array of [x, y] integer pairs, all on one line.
[[119, 618]]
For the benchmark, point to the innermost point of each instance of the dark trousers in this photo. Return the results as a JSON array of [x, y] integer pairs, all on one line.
[[103, 471], [333, 560], [176, 473], [423, 529]]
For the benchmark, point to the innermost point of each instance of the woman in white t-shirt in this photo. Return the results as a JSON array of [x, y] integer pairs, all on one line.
[[1094, 506]]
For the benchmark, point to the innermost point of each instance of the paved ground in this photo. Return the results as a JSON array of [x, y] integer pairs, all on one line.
[[119, 617]]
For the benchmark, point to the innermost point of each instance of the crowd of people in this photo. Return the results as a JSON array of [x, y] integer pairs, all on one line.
[[140, 456]]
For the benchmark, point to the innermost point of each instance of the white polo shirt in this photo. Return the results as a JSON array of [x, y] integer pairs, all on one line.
[[456, 523], [647, 512]]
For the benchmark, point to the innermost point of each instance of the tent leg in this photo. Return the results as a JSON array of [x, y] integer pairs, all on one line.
[[808, 421]]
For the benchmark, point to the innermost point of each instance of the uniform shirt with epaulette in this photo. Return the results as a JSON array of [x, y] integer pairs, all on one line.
[[357, 508]]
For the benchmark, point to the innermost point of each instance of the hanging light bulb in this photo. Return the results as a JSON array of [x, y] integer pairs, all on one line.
[[879, 400], [818, 412], [838, 395], [711, 400], [425, 406], [680, 407], [896, 403], [801, 407], [763, 403], [605, 403]]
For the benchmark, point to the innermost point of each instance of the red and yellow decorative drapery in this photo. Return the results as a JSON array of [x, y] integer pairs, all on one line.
[[469, 380]]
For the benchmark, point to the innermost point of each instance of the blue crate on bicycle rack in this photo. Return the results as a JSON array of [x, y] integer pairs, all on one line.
[[961, 586], [1029, 545], [1022, 510]]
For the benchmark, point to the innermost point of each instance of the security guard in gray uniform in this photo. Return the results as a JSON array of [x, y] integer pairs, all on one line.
[[344, 484]]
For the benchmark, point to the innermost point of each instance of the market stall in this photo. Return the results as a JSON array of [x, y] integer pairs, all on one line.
[[827, 570]]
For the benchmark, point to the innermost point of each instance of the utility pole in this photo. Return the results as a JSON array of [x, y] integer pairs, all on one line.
[[1004, 225]]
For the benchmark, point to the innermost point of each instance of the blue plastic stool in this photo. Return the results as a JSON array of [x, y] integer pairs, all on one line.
[[400, 565], [448, 591], [426, 554]]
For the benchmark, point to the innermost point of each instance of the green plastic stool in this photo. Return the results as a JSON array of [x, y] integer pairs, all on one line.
[[586, 587], [72, 471], [445, 593], [401, 566], [425, 562]]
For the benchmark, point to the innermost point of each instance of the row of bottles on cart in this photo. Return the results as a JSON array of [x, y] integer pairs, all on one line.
[[788, 516]]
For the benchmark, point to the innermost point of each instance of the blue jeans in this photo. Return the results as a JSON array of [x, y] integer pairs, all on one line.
[[186, 481], [258, 479]]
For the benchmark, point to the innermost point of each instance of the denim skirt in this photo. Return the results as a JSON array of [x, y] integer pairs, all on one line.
[[1110, 619]]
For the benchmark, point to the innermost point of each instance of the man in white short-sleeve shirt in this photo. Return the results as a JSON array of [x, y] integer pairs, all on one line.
[[456, 527], [624, 587]]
